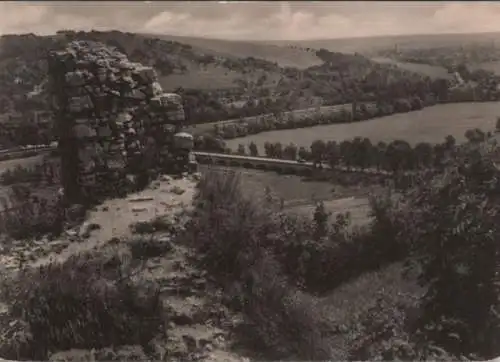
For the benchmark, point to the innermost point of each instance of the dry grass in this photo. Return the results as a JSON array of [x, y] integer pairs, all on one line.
[[89, 301]]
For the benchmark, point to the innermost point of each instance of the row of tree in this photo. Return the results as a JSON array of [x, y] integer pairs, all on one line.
[[343, 114], [359, 152]]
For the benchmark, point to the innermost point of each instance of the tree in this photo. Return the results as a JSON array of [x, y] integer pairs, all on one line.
[[290, 152], [379, 155], [458, 254], [318, 149], [241, 150], [332, 153], [254, 151], [346, 153], [400, 156], [269, 149], [362, 152], [450, 142], [475, 135], [278, 150], [423, 154], [321, 217], [303, 154]]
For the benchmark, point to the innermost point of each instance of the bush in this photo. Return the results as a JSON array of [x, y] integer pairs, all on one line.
[[89, 301], [271, 259], [24, 215], [145, 247], [231, 234], [46, 171]]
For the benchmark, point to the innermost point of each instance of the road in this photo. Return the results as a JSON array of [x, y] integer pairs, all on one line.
[[276, 161]]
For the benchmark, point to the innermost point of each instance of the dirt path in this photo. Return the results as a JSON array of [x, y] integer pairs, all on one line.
[[164, 197]]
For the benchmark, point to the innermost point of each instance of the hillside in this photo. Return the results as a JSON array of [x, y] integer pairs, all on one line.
[[374, 44], [284, 56], [214, 86]]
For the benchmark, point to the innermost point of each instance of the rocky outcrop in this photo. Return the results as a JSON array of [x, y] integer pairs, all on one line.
[[112, 119]]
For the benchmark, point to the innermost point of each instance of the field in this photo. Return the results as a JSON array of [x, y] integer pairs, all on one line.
[[431, 124], [490, 66], [372, 44], [211, 77], [432, 71], [284, 56], [299, 196]]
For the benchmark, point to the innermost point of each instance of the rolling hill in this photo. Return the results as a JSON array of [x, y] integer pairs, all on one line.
[[370, 45], [218, 79], [282, 55]]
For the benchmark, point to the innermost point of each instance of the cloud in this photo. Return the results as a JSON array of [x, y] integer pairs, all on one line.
[[253, 20], [15, 17], [474, 17]]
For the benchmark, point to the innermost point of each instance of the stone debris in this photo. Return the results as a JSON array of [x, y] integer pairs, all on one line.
[[113, 120]]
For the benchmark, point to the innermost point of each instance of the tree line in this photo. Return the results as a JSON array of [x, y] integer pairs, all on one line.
[[359, 152]]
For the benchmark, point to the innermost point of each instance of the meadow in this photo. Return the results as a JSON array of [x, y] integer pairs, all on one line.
[[430, 124], [211, 77], [432, 71], [493, 66], [299, 196], [284, 56]]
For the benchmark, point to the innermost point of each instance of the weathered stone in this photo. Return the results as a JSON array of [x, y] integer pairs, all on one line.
[[75, 79], [115, 94]]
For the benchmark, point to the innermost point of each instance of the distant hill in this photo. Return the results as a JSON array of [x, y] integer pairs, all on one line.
[[218, 80], [372, 44], [282, 55]]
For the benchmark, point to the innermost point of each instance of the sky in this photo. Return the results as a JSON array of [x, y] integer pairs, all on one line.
[[247, 20]]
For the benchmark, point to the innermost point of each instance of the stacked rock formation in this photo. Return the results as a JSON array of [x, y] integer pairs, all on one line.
[[112, 119]]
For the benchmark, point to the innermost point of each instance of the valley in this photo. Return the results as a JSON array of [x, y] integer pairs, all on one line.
[[314, 198]]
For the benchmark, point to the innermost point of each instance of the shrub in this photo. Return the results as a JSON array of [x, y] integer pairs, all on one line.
[[46, 171], [231, 234], [270, 259], [151, 246], [24, 215], [89, 301]]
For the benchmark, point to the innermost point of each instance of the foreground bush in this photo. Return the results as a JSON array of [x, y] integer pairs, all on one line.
[[230, 228], [87, 302], [451, 226], [25, 215], [271, 260]]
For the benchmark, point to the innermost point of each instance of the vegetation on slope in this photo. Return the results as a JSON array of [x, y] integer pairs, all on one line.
[[276, 269], [254, 87], [454, 257]]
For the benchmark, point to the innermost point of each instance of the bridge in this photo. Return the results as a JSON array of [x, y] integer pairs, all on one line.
[[226, 160], [272, 164]]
